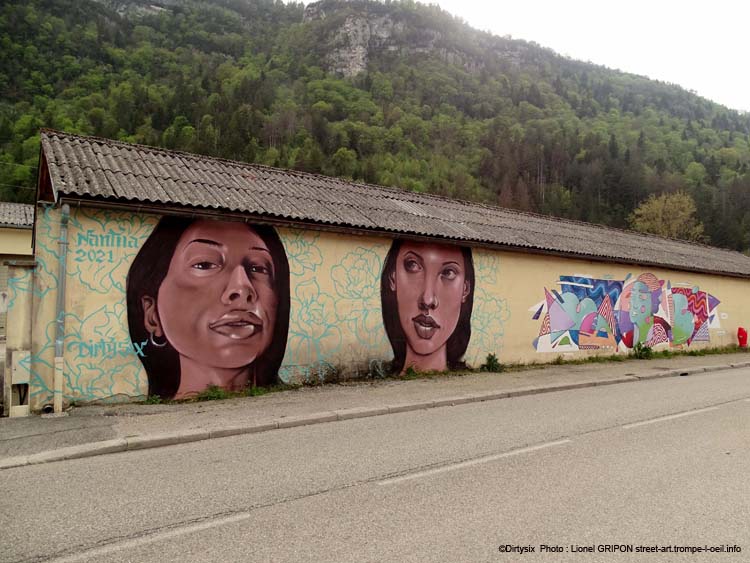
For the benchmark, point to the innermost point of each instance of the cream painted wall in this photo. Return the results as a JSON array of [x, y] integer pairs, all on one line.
[[15, 241], [335, 314], [335, 327]]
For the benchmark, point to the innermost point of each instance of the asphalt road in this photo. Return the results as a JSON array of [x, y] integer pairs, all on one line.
[[658, 463]]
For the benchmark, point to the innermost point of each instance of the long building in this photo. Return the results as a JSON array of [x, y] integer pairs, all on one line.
[[160, 273]]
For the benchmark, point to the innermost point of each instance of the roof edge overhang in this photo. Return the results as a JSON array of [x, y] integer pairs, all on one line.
[[211, 213], [18, 227], [45, 190]]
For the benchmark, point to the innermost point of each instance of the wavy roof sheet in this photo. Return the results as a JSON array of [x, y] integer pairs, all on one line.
[[101, 169], [19, 215]]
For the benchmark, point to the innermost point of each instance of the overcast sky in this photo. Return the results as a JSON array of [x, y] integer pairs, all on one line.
[[702, 46]]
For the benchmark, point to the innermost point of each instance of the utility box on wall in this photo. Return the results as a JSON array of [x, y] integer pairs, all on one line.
[[20, 374]]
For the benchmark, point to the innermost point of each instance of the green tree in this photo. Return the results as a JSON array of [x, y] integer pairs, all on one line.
[[695, 174], [344, 162], [669, 215]]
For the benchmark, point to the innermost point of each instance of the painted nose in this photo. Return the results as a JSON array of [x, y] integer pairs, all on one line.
[[239, 288], [428, 300]]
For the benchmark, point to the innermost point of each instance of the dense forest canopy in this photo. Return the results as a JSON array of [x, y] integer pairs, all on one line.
[[439, 107]]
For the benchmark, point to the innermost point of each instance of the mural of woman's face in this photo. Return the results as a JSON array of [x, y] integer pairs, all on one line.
[[430, 284], [217, 304]]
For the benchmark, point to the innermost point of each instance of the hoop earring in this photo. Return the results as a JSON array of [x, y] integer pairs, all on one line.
[[157, 344]]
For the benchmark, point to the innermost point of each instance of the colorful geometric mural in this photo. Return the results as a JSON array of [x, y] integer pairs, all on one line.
[[592, 314]]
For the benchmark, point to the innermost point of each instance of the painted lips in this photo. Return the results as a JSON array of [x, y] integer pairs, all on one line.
[[237, 325], [425, 326]]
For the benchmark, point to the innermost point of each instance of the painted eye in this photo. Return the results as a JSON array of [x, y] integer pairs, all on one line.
[[260, 269], [449, 274], [205, 265], [411, 265]]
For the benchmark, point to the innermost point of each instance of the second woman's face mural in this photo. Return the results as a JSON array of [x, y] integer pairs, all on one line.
[[430, 285]]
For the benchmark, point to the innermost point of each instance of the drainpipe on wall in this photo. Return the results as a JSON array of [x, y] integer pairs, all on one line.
[[60, 310]]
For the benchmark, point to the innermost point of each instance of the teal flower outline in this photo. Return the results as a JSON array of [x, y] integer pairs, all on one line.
[[488, 324], [357, 276], [487, 267], [356, 281], [314, 335], [19, 285], [302, 251]]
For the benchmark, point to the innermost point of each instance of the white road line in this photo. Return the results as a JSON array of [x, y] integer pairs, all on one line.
[[99, 552], [670, 417], [469, 463]]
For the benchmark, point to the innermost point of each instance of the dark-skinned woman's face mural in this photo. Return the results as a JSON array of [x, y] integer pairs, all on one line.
[[427, 294], [220, 308], [216, 305]]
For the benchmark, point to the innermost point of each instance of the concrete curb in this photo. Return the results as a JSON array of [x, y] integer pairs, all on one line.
[[306, 419], [160, 440]]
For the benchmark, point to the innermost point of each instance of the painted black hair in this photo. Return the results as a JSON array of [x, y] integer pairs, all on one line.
[[457, 342], [146, 274]]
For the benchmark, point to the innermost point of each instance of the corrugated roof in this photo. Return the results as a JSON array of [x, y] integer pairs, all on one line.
[[101, 169], [20, 215]]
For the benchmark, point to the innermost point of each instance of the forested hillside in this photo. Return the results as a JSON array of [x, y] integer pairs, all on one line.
[[438, 107]]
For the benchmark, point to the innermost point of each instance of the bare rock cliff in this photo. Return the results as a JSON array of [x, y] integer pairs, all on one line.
[[136, 8], [352, 42], [363, 33]]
